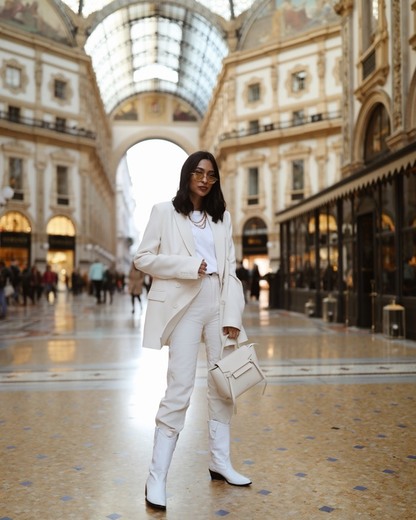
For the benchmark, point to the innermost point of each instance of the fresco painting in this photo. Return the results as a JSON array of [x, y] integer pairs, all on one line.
[[183, 113], [297, 16], [37, 17]]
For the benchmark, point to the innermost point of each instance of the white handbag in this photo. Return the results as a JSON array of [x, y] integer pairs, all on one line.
[[238, 372]]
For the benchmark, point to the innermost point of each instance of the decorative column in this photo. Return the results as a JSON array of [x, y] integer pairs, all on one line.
[[398, 139], [344, 8]]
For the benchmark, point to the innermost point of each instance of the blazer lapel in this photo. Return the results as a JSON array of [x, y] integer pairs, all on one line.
[[185, 232], [218, 232]]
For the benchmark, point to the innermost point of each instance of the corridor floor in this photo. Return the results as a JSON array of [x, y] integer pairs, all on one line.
[[333, 436]]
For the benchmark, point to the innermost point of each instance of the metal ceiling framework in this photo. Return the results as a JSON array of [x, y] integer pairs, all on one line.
[[174, 47]]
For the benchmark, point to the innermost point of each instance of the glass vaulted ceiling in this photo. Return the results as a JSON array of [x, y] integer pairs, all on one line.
[[156, 47], [226, 8]]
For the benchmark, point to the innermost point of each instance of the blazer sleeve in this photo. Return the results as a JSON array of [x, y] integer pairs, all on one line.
[[154, 256], [234, 297]]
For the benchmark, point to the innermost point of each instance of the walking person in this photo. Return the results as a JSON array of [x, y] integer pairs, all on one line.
[[136, 280], [27, 289], [36, 287], [5, 278], [188, 250], [243, 274], [49, 282], [96, 276], [255, 278], [109, 283]]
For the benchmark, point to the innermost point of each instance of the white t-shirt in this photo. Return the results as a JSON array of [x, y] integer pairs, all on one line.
[[204, 242]]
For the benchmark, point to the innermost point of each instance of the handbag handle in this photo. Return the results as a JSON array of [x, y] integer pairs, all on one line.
[[224, 341]]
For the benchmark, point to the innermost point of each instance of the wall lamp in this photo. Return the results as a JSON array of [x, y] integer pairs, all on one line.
[[6, 194]]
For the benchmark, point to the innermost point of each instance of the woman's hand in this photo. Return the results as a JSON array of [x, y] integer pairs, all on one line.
[[202, 269], [231, 332]]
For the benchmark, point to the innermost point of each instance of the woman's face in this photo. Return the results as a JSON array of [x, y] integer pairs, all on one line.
[[201, 182]]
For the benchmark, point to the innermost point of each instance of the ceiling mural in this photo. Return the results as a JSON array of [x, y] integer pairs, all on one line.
[[38, 17], [297, 16]]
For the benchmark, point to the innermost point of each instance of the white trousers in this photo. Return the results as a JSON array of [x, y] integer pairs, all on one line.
[[201, 322]]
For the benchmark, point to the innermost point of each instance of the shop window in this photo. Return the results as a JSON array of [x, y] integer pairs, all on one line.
[[386, 226], [348, 244], [16, 177], [301, 255], [62, 185], [378, 130], [409, 236], [328, 247], [253, 186]]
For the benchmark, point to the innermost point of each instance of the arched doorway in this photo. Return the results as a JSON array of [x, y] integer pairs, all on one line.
[[255, 240], [61, 248]]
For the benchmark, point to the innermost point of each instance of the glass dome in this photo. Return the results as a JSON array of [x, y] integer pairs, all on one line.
[[169, 47]]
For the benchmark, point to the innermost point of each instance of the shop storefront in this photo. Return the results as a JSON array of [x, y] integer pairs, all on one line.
[[15, 239], [357, 243]]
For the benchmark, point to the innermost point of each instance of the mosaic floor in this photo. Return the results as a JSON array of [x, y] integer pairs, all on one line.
[[333, 436]]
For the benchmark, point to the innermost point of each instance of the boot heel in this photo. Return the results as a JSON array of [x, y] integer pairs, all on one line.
[[216, 476]]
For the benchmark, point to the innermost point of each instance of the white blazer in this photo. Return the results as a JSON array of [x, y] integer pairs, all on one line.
[[167, 253]]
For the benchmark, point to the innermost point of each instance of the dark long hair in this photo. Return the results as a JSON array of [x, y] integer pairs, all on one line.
[[213, 203]]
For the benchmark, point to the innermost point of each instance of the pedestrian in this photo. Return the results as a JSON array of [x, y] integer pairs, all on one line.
[[96, 276], [136, 280], [27, 289], [243, 275], [49, 282], [36, 287], [255, 282], [188, 250], [16, 279], [5, 280], [109, 283]]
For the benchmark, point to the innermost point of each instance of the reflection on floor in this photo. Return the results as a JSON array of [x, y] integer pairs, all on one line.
[[332, 437]]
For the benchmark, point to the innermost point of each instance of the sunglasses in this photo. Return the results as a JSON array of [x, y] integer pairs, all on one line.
[[200, 175]]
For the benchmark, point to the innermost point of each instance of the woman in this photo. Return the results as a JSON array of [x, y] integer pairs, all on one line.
[[136, 279], [188, 250]]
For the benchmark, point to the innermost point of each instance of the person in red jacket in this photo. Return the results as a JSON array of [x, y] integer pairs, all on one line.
[[49, 282]]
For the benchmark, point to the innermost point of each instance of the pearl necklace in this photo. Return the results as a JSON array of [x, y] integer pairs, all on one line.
[[200, 223]]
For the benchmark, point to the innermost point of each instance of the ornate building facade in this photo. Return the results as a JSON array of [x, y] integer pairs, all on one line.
[[355, 241]]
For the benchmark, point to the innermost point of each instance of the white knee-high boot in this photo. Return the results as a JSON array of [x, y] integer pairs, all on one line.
[[163, 448], [220, 466]]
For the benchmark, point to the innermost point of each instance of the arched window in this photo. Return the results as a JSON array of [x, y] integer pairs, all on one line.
[[378, 130], [15, 222], [255, 226], [60, 226]]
